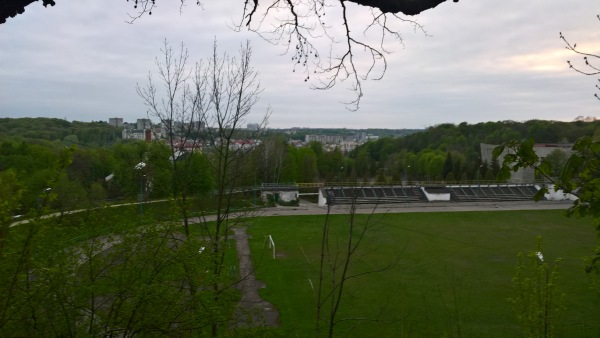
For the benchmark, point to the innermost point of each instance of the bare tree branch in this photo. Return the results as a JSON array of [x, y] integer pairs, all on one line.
[[590, 60], [300, 26], [304, 30], [12, 8]]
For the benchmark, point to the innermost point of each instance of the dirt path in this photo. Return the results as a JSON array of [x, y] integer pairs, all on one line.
[[254, 310]]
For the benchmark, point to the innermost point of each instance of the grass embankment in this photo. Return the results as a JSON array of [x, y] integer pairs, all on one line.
[[453, 277]]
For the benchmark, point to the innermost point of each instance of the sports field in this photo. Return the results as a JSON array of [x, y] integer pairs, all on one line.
[[452, 277]]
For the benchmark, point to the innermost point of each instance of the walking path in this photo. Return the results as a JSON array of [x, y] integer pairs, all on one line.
[[254, 310], [312, 209]]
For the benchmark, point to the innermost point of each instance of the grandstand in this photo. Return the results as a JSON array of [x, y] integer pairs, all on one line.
[[374, 194], [511, 192], [425, 194]]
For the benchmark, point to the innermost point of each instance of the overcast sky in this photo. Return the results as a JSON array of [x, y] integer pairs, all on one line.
[[482, 60]]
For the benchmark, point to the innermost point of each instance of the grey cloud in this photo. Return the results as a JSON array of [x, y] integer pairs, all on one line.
[[80, 60]]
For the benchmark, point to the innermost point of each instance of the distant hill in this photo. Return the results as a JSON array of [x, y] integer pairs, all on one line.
[[452, 152], [467, 137], [52, 129]]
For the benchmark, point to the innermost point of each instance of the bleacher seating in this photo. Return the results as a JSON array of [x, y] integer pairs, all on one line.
[[388, 192], [414, 194], [474, 193], [375, 195]]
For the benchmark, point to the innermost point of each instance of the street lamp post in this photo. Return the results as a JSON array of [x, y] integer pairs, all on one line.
[[139, 167], [254, 188], [479, 175], [405, 183], [141, 194], [39, 206]]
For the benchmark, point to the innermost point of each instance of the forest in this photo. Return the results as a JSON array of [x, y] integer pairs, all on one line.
[[101, 165]]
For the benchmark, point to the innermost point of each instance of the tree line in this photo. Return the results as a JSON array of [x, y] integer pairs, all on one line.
[[445, 152], [97, 133], [449, 152], [104, 169]]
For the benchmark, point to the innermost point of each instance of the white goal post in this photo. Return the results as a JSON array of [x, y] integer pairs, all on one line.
[[271, 243]]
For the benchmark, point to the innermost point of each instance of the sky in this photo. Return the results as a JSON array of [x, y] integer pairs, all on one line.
[[481, 60]]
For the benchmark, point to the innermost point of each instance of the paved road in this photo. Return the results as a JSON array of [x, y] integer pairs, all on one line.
[[312, 209]]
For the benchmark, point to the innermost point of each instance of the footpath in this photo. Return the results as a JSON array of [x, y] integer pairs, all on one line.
[[253, 311]]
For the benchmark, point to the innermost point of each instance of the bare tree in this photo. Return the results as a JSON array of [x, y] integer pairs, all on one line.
[[204, 107], [269, 157], [234, 90], [179, 106]]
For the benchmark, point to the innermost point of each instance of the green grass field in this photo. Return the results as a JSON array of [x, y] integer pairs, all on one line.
[[453, 277]]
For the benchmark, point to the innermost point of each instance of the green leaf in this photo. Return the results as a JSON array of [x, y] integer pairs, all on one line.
[[545, 168], [509, 158], [526, 153], [581, 144], [539, 195], [503, 174], [498, 150]]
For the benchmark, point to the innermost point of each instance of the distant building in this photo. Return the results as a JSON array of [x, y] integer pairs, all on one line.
[[325, 139], [136, 134], [115, 121], [523, 175], [143, 124], [183, 145], [344, 142], [296, 143], [179, 128], [142, 130], [244, 144], [198, 125], [253, 126], [360, 136]]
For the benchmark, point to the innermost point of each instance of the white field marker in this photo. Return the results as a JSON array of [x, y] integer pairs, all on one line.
[[272, 245]]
